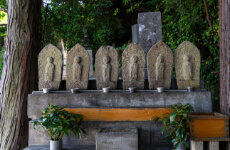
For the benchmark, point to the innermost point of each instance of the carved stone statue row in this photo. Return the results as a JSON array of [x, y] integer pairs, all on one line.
[[159, 65]]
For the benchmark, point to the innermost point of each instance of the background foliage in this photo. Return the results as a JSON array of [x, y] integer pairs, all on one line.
[[90, 23]]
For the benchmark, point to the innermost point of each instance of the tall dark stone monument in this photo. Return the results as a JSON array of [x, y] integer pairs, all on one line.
[[150, 29]]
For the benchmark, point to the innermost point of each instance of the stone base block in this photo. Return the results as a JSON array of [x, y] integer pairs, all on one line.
[[117, 138], [78, 84], [139, 85], [111, 84], [47, 147], [184, 84], [53, 85]]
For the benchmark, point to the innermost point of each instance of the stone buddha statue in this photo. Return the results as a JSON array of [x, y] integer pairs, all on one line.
[[160, 68], [49, 70], [77, 69], [106, 69], [187, 68], [133, 68]]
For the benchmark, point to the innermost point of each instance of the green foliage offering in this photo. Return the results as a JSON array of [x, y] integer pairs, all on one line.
[[56, 122], [177, 123]]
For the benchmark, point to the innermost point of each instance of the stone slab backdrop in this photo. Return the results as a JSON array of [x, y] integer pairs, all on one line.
[[187, 65], [133, 67], [77, 68], [160, 65], [106, 67], [50, 67], [150, 29]]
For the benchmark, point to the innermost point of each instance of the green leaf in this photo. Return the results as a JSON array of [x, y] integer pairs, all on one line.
[[72, 119], [173, 116], [163, 129], [155, 119], [58, 130], [178, 132], [35, 124], [66, 131], [174, 140], [164, 120]]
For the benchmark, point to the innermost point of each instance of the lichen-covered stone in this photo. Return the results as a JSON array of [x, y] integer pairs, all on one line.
[[106, 67], [160, 64], [133, 67], [77, 68], [150, 29], [50, 67], [187, 65]]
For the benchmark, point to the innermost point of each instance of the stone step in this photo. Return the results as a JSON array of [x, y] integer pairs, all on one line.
[[47, 147], [117, 138]]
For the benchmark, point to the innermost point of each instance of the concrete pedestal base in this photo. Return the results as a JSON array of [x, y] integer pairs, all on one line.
[[149, 133]]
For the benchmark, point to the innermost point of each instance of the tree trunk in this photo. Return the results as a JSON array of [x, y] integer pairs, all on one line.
[[19, 75], [224, 30], [224, 23]]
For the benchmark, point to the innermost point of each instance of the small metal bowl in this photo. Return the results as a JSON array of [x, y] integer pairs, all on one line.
[[74, 91], [46, 90], [190, 89], [132, 89], [160, 89], [106, 89]]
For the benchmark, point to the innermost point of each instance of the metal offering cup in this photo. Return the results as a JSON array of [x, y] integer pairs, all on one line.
[[106, 89], [74, 91], [46, 90], [160, 89], [190, 89], [132, 89]]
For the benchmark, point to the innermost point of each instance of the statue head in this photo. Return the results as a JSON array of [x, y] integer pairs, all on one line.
[[77, 59], [186, 57], [160, 59], [49, 59], [134, 59], [106, 59]]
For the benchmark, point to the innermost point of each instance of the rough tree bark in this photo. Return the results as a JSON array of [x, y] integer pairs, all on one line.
[[19, 75], [224, 30]]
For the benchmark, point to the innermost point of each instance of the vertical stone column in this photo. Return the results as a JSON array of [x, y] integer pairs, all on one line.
[[196, 145], [150, 29], [213, 145]]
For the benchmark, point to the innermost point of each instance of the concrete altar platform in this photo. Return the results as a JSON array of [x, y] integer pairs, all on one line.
[[148, 102]]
